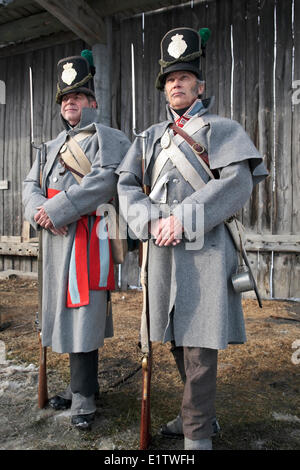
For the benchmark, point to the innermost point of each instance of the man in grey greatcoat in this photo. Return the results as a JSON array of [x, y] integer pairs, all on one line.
[[61, 199], [191, 258]]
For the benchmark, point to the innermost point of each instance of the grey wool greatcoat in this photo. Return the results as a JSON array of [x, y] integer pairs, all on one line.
[[191, 298], [78, 329]]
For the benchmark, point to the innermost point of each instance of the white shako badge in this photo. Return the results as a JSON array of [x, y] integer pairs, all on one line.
[[177, 46], [69, 74]]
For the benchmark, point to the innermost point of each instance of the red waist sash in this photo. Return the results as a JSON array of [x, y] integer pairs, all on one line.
[[91, 263]]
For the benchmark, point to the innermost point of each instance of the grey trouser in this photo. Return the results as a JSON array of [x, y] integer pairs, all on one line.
[[198, 370], [83, 382], [84, 373]]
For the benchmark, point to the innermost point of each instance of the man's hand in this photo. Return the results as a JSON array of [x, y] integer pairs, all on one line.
[[167, 231], [42, 218]]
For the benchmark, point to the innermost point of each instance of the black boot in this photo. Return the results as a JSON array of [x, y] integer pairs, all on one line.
[[60, 403], [83, 422]]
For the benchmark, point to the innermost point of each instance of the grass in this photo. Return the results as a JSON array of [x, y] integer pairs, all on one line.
[[255, 380]]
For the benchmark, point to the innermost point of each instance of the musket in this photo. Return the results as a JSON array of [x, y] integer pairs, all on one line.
[[42, 381], [146, 347]]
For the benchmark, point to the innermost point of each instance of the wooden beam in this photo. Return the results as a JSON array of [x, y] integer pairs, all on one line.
[[18, 249], [112, 7], [102, 55], [33, 26], [269, 242], [16, 4], [79, 17], [13, 246], [40, 43]]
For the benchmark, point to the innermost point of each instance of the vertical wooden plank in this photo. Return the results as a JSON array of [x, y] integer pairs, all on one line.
[[125, 80], [25, 153], [224, 57], [19, 62], [295, 267], [295, 277], [199, 20], [10, 135], [296, 125], [265, 110], [142, 104], [211, 66], [3, 108], [116, 80], [282, 276], [239, 66], [48, 98], [282, 210], [239, 33], [156, 26], [251, 77], [282, 221], [250, 211], [261, 266], [102, 55]]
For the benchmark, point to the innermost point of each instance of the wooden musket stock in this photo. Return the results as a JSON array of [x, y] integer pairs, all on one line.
[[42, 385], [145, 431], [42, 389]]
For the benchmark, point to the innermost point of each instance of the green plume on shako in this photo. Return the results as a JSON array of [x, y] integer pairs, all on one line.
[[88, 55], [205, 34]]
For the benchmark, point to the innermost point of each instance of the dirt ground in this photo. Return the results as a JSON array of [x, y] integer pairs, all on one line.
[[258, 400]]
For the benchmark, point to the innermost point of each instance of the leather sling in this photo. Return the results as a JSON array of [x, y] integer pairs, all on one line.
[[73, 158]]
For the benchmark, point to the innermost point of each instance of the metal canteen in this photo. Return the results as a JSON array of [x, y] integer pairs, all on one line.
[[242, 280]]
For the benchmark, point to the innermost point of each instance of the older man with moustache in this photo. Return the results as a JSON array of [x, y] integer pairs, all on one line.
[[192, 303]]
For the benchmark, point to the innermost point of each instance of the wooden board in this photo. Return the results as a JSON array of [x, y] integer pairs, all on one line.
[[265, 111]]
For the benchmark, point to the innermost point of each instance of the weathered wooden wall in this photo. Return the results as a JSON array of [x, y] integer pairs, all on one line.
[[253, 58]]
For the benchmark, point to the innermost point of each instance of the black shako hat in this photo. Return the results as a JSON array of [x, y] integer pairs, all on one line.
[[180, 50], [75, 74]]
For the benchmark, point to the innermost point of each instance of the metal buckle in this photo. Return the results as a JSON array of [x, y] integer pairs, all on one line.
[[198, 145]]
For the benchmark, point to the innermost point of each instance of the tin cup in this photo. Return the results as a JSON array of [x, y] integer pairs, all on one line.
[[242, 280]]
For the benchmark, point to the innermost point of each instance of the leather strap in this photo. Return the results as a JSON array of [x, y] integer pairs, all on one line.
[[67, 167], [177, 157], [73, 158], [198, 149]]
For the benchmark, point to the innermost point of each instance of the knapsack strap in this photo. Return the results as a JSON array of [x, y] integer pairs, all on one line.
[[73, 158]]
